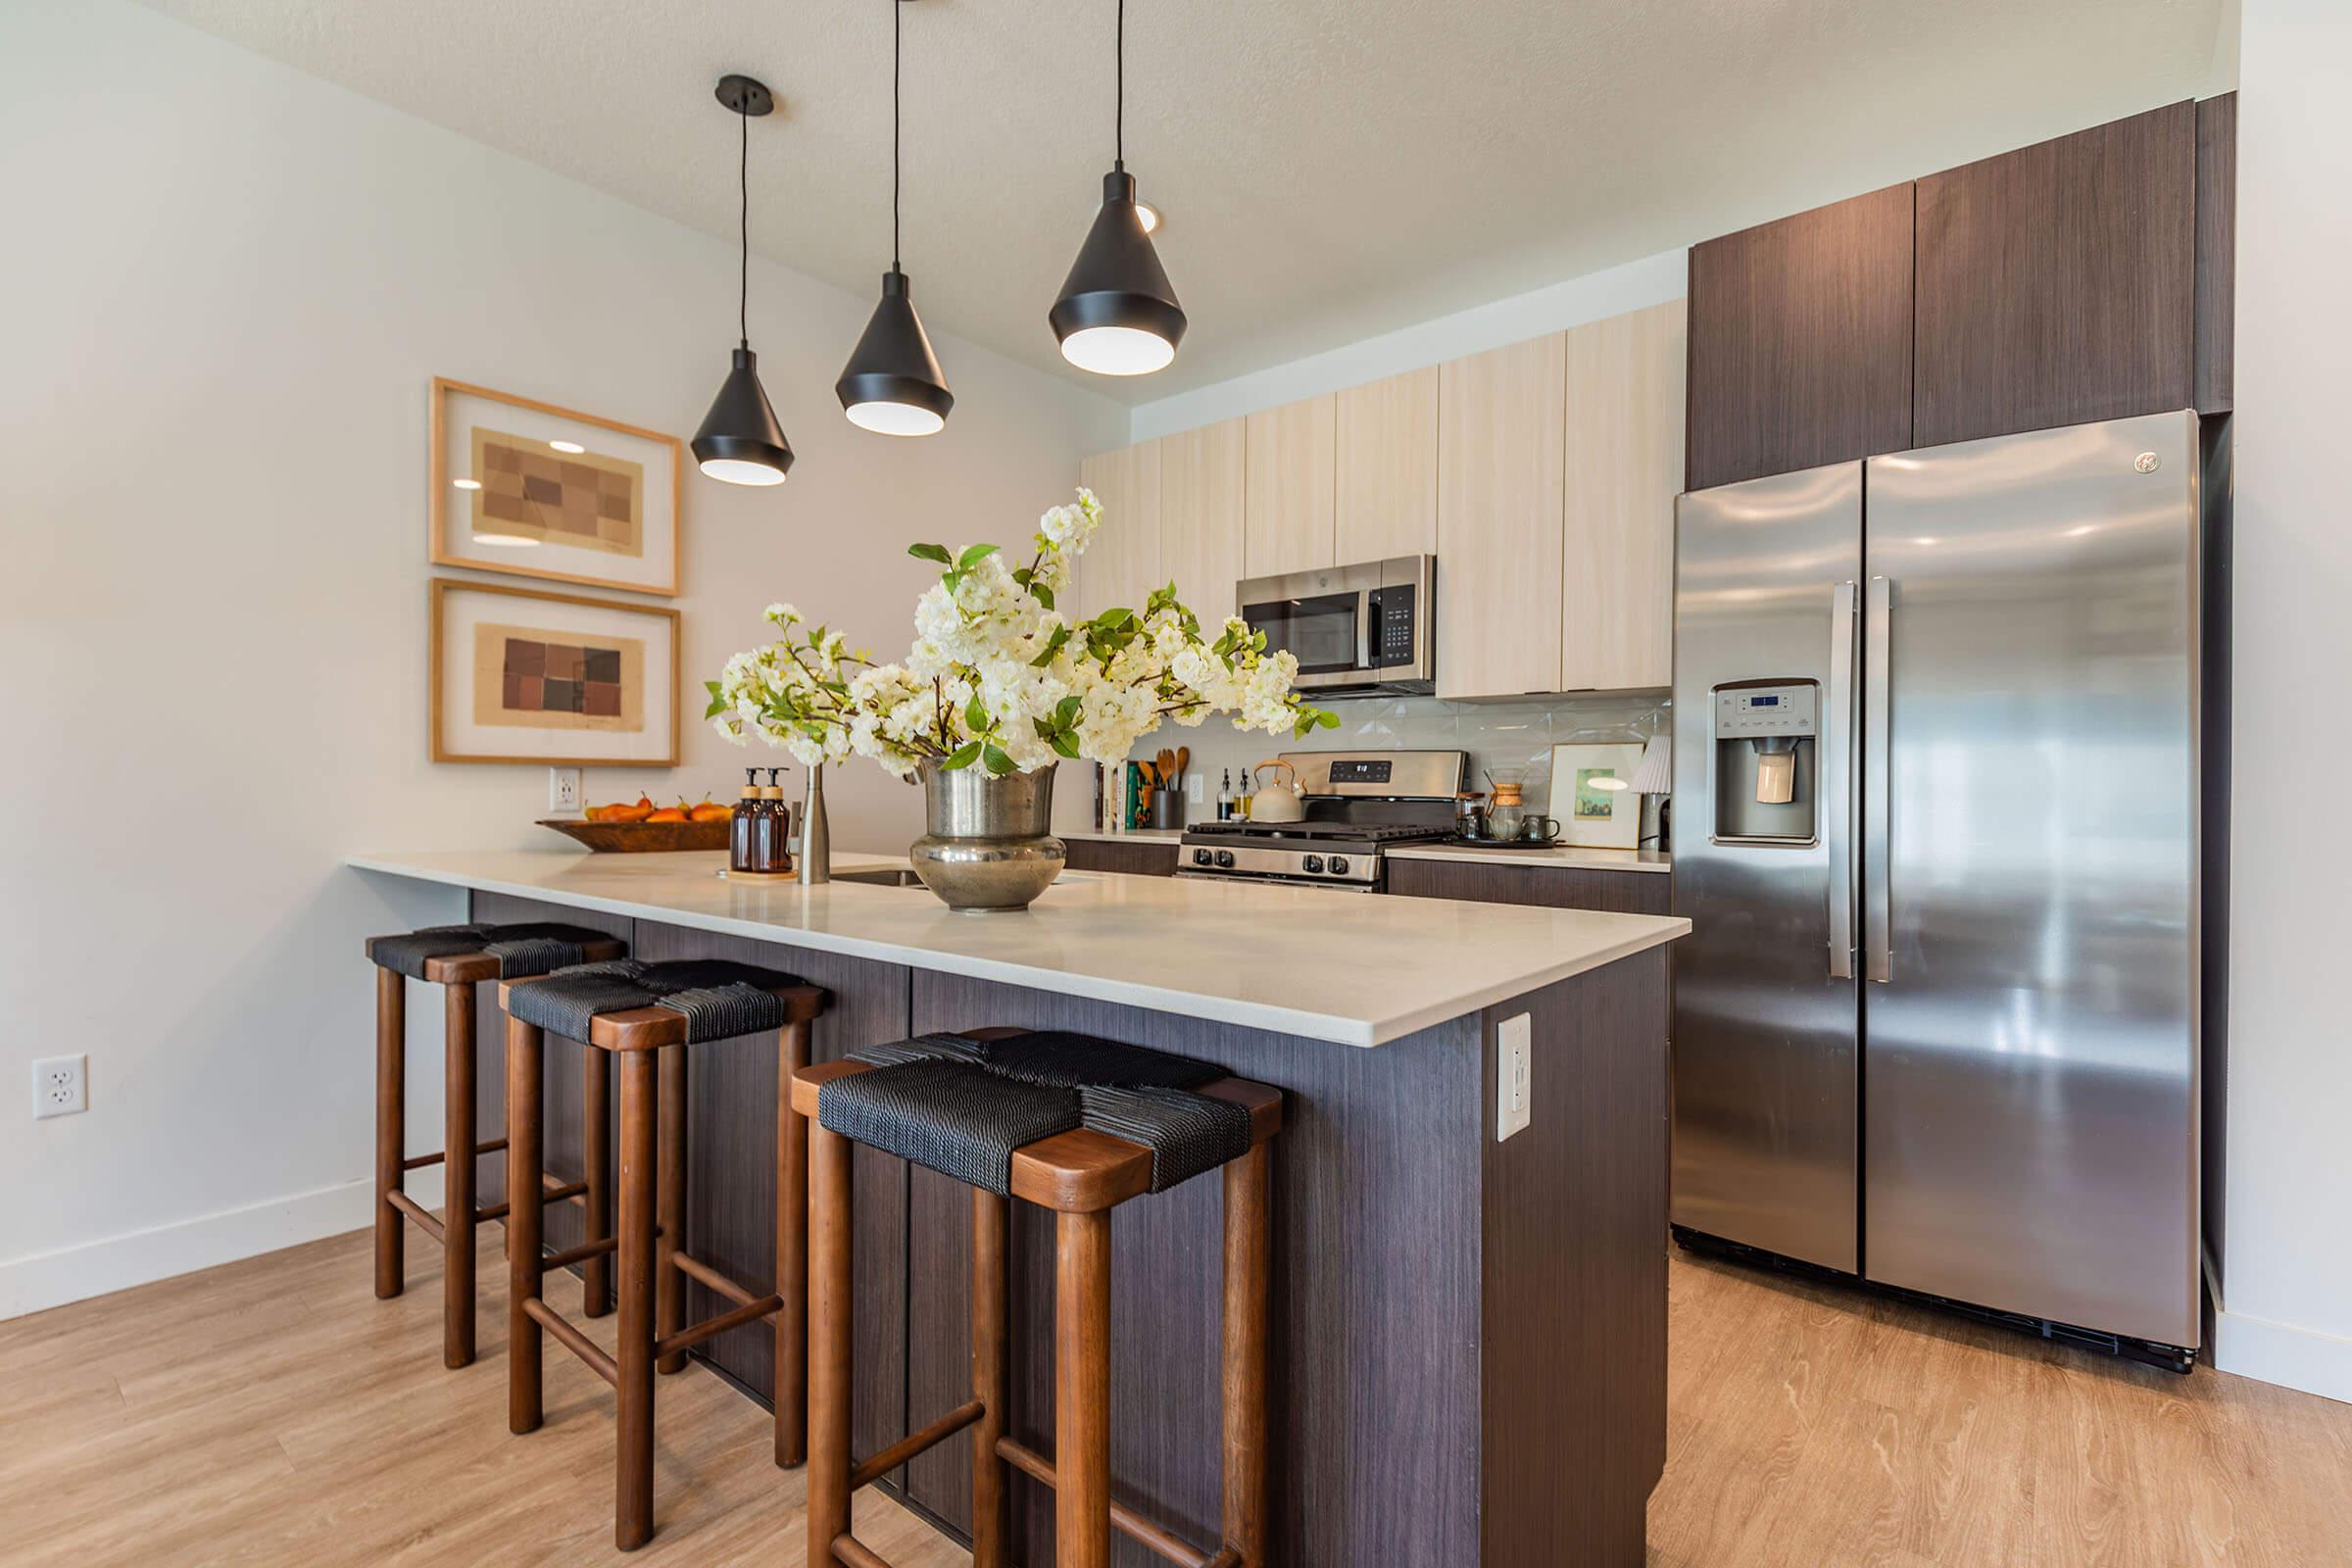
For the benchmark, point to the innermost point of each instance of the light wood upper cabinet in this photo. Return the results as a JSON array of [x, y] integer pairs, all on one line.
[[1201, 518], [1122, 564], [1501, 491], [1289, 466], [1386, 482], [1624, 465]]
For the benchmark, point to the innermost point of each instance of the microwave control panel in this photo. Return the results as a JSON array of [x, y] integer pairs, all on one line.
[[1758, 710], [1394, 609]]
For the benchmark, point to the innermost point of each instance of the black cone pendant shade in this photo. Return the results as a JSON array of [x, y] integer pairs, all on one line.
[[893, 384], [740, 440], [1117, 314]]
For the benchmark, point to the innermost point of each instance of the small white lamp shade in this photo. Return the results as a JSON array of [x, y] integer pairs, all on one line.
[[1654, 774]]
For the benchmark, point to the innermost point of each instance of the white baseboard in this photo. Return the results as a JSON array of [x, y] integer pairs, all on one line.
[[44, 1280], [2282, 1354]]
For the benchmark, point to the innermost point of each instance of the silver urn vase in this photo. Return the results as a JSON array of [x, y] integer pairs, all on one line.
[[988, 847]]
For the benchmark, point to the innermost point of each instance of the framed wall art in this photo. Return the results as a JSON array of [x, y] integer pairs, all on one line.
[[517, 675], [1592, 797], [530, 489]]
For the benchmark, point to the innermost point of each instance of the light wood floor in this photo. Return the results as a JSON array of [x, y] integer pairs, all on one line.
[[273, 1411]]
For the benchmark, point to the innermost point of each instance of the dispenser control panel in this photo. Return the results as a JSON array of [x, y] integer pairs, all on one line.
[[1760, 710]]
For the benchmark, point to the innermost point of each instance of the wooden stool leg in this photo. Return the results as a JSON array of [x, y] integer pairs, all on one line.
[[458, 1138], [1249, 1255], [391, 1124], [1082, 1390], [523, 1215], [791, 1389], [829, 1341], [992, 1218], [633, 1467], [669, 1285], [596, 1142]]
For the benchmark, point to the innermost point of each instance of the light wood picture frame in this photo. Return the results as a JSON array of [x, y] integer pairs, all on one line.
[[1595, 819], [522, 675], [530, 489]]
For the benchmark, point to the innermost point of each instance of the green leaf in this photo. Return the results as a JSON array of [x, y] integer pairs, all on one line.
[[1065, 713], [963, 757], [954, 580], [1066, 743], [1328, 720], [718, 703], [938, 552], [975, 717], [1041, 593], [973, 555], [996, 761], [1045, 730]]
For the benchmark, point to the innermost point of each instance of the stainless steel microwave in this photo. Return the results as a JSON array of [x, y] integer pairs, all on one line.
[[1370, 627]]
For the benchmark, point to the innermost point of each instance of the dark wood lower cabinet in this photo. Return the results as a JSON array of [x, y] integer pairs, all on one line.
[[1552, 887], [1132, 857]]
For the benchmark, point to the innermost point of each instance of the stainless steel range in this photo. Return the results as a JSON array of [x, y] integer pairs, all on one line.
[[1357, 804]]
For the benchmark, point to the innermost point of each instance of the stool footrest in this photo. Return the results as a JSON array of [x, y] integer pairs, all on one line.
[[556, 1192], [440, 1155], [694, 1268], [424, 1217], [1125, 1520], [572, 1339], [898, 1454], [855, 1553], [688, 1338], [580, 1253]]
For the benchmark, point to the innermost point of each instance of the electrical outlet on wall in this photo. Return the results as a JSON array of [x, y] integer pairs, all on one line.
[[562, 789], [1514, 1075], [60, 1086]]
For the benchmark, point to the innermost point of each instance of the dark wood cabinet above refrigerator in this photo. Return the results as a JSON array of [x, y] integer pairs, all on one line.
[[2083, 278], [1800, 341]]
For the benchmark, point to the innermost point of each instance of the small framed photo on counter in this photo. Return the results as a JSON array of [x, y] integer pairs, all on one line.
[[517, 675], [1593, 797], [533, 490]]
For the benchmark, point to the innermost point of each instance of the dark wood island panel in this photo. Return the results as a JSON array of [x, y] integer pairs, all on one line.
[[1132, 857]]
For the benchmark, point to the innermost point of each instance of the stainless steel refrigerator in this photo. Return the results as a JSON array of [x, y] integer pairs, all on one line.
[[1936, 789]]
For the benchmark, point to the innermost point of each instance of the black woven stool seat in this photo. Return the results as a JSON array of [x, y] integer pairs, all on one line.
[[527, 948], [962, 1107], [717, 998]]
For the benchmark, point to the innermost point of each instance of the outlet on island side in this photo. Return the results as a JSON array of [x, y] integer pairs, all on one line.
[[1514, 1069], [562, 789], [60, 1086]]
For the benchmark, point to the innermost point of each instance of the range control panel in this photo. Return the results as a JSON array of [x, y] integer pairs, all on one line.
[[1752, 711]]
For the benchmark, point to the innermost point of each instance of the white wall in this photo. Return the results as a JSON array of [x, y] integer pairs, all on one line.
[[2287, 1270], [228, 287], [1594, 297]]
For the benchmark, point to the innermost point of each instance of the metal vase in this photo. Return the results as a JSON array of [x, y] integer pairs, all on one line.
[[989, 846]]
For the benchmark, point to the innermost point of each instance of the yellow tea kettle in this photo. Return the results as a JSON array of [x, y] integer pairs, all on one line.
[[1277, 802]]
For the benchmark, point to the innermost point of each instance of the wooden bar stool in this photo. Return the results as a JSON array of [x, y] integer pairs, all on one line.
[[646, 1015], [929, 1114], [457, 959]]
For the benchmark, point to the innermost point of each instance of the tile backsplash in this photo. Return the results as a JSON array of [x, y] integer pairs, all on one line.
[[1514, 734]]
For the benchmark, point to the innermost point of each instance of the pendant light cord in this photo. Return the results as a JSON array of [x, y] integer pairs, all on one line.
[[743, 184], [1118, 133], [897, 26]]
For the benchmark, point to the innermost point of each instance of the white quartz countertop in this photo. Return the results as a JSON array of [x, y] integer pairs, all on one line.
[[1356, 969], [1564, 855]]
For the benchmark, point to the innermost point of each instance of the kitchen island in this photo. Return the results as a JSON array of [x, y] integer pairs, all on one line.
[[1469, 1332]]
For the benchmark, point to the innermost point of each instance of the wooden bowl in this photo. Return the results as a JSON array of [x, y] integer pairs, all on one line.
[[637, 838]]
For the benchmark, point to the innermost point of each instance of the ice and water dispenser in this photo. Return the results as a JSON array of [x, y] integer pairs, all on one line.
[[1767, 763]]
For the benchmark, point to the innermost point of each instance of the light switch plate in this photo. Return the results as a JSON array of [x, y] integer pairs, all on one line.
[[1514, 1069], [60, 1086], [562, 789]]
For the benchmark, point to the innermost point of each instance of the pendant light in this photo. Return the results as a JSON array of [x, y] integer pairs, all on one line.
[[1117, 315], [740, 441], [893, 384]]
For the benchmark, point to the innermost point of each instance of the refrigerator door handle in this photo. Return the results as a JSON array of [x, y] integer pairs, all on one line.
[[1838, 773], [1877, 634]]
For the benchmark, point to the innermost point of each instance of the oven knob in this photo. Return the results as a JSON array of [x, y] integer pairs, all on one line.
[[1225, 858], [1202, 858], [1313, 862], [1339, 865]]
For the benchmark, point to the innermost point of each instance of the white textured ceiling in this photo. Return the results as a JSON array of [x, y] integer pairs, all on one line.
[[1330, 168]]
